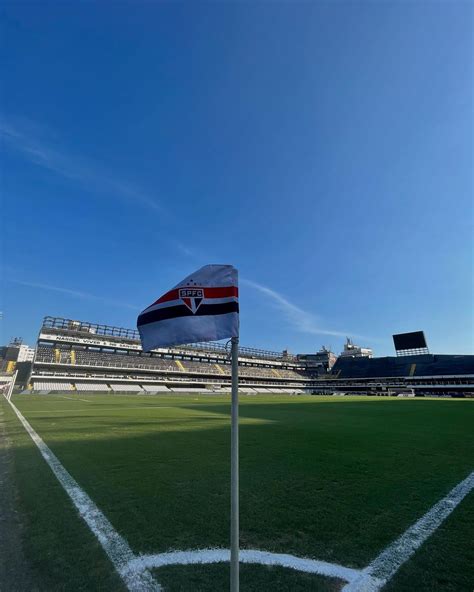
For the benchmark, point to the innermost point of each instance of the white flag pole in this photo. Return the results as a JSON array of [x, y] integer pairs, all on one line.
[[234, 470]]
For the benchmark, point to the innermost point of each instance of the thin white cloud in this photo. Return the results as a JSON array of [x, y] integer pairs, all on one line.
[[194, 253], [74, 293], [42, 154], [300, 319], [184, 249]]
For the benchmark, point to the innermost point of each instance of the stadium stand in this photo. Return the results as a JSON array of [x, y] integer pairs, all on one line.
[[131, 361], [78, 350], [75, 355], [421, 365], [420, 375]]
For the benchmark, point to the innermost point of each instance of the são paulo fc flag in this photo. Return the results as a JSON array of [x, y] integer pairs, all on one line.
[[203, 307]]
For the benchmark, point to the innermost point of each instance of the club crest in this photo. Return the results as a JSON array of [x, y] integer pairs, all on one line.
[[192, 298]]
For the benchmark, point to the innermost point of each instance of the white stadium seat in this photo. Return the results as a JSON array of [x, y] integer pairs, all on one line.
[[126, 388], [92, 387], [52, 386]]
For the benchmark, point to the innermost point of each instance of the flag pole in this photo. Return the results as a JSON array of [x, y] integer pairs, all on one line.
[[234, 477]]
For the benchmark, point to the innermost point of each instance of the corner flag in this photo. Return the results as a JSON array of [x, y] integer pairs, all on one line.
[[203, 307]]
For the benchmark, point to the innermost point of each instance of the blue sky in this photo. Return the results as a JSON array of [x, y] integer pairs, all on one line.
[[324, 149]]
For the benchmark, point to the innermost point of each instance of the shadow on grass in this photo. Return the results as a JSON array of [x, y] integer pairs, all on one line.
[[332, 482]]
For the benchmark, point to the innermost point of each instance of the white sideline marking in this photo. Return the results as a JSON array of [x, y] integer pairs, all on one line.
[[206, 556], [383, 567], [113, 544]]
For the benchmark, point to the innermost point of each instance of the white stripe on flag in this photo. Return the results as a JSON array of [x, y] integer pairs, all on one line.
[[194, 328]]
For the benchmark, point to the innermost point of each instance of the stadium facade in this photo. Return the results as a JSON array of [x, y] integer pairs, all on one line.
[[80, 356]]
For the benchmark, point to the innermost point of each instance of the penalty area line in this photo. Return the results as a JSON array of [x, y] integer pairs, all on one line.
[[114, 545]]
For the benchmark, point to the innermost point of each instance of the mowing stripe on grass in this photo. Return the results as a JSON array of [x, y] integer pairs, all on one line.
[[114, 545], [383, 567]]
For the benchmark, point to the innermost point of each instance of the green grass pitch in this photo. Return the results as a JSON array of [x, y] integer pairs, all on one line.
[[334, 479]]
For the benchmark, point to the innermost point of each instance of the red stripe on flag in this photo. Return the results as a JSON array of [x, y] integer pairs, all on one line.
[[171, 295], [224, 292]]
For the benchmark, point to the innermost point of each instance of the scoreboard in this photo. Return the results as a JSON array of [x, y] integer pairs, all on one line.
[[410, 343]]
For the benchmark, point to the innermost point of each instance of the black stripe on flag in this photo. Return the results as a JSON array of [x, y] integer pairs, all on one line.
[[174, 312]]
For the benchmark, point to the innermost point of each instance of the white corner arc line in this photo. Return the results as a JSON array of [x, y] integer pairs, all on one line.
[[385, 565], [207, 556], [115, 546]]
